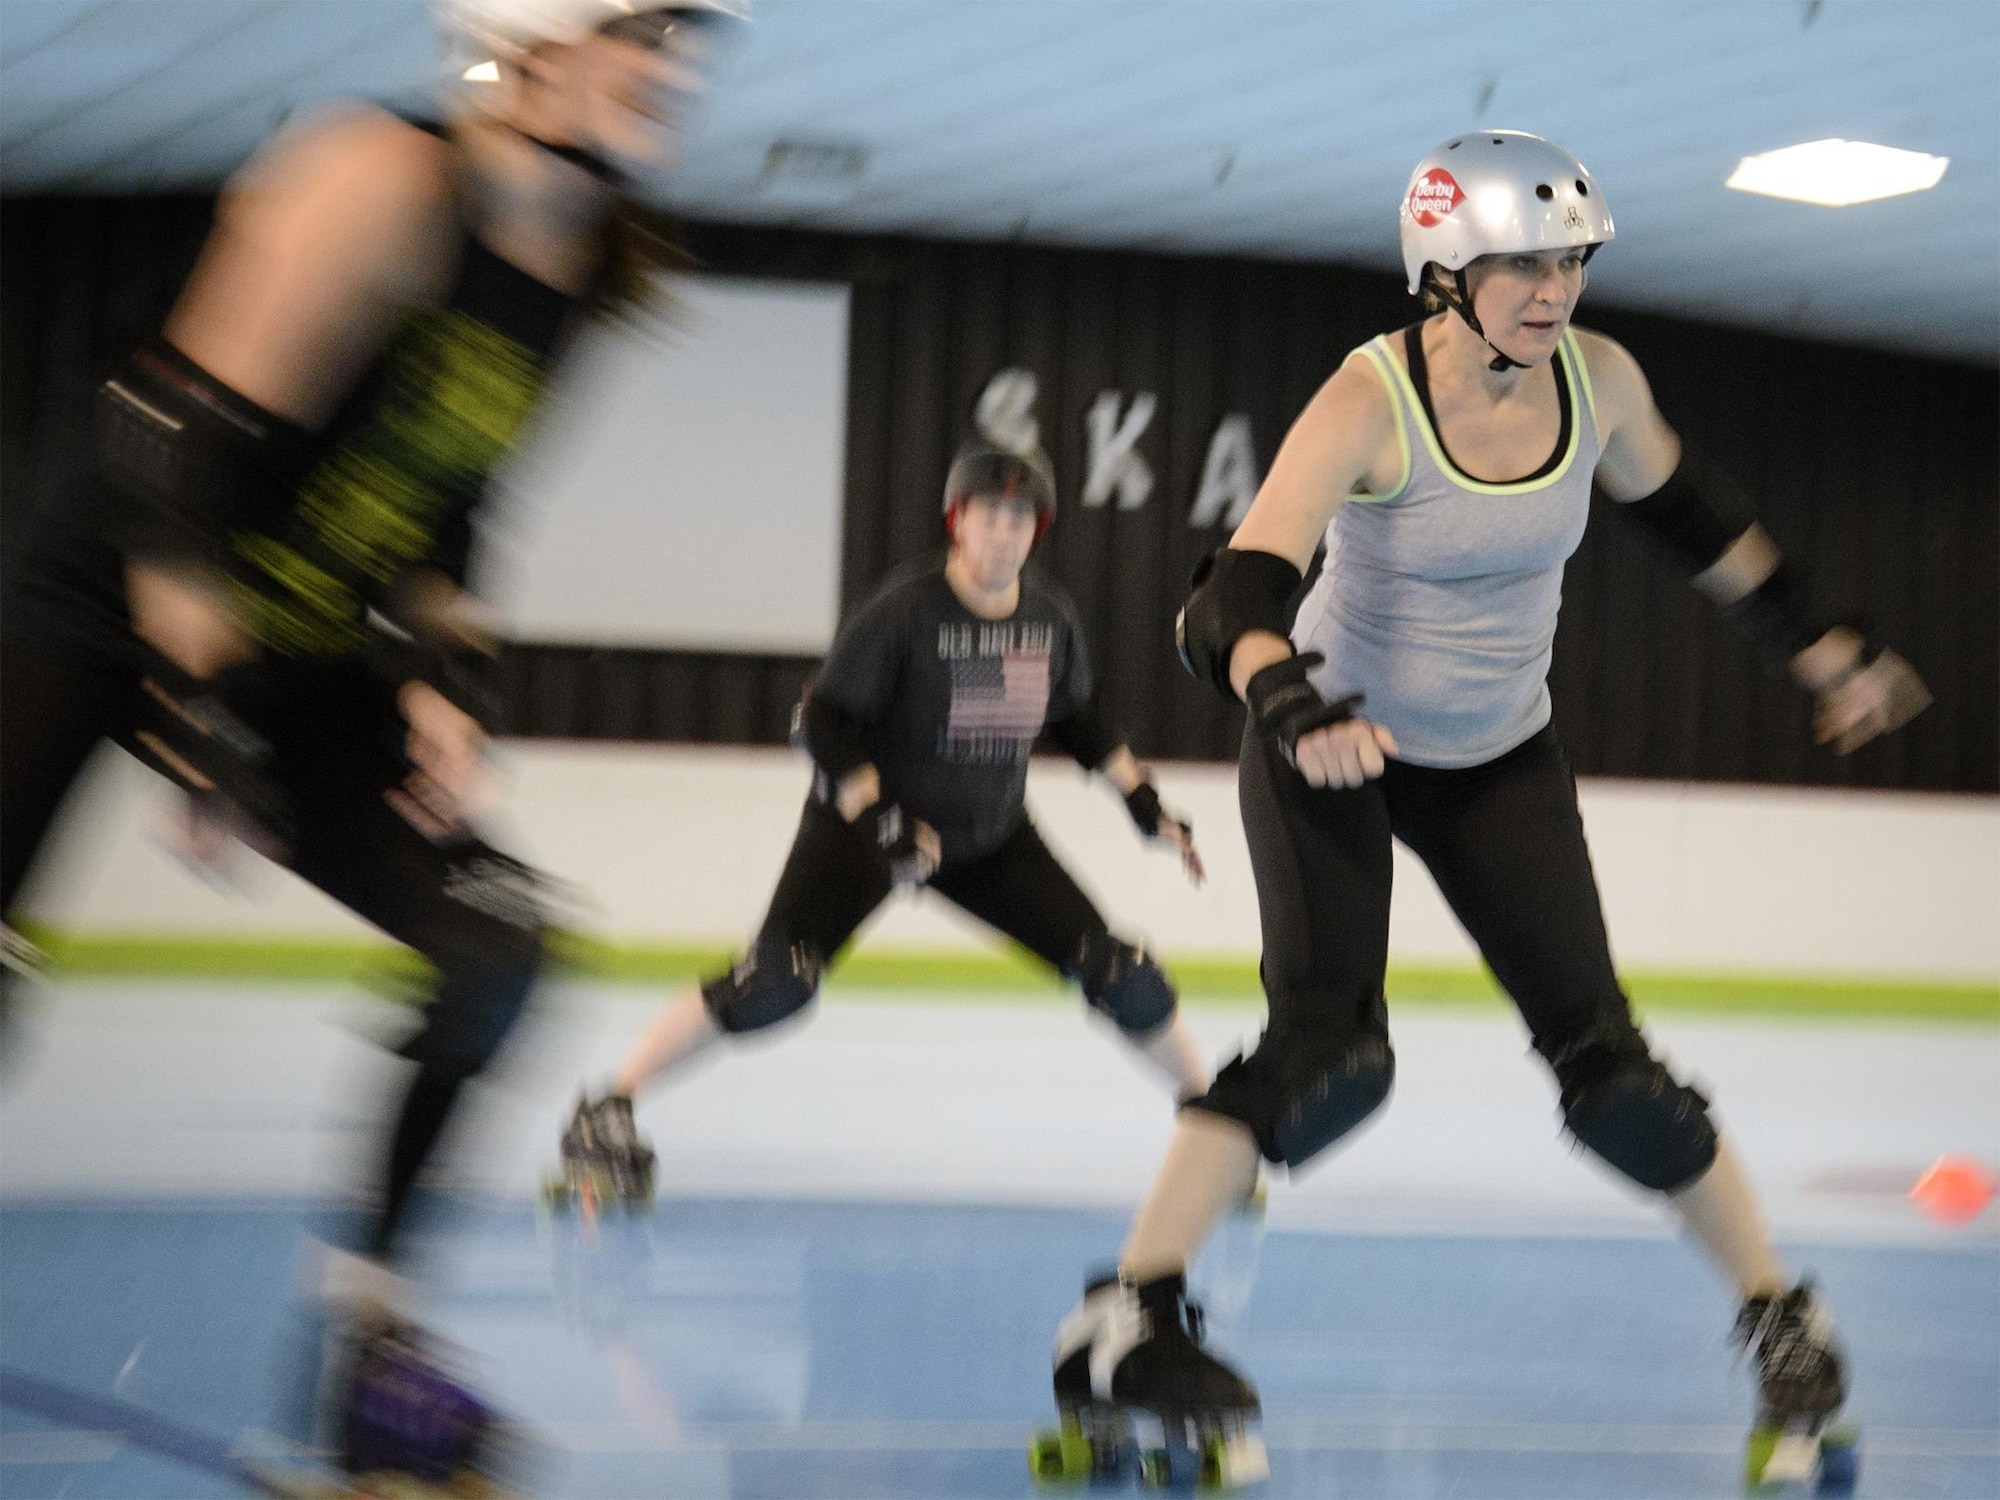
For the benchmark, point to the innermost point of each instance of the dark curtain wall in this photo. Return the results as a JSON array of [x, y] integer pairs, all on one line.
[[1879, 471]]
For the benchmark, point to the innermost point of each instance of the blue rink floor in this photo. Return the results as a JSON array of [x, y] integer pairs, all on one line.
[[868, 1229], [732, 1348]]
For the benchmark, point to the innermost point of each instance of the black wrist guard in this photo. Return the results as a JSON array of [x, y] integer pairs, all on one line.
[[194, 732], [1143, 803], [885, 825], [467, 678], [190, 458], [1233, 594], [1287, 707], [1781, 617]]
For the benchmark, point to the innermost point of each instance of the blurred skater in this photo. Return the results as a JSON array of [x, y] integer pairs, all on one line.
[[264, 595]]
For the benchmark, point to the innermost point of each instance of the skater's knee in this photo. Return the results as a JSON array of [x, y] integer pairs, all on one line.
[[775, 980], [1124, 983], [1324, 1097], [1301, 1096], [1618, 1100], [479, 997]]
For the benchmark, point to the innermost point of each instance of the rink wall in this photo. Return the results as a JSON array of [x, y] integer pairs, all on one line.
[[1785, 898]]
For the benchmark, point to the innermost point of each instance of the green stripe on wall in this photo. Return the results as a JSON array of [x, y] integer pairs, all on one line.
[[1009, 974]]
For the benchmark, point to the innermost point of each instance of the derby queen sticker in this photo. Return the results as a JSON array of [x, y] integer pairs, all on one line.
[[1433, 196]]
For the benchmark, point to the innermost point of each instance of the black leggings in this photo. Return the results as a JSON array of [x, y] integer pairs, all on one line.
[[1503, 840], [834, 879], [473, 912]]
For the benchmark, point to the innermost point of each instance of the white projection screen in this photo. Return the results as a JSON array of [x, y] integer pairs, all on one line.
[[684, 490]]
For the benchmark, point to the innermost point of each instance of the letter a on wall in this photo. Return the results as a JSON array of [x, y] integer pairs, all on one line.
[[1229, 475]]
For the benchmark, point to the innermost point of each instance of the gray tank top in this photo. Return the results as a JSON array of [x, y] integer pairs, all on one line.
[[1438, 600]]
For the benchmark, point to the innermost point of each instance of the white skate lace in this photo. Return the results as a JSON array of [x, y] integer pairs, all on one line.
[[1786, 1345]]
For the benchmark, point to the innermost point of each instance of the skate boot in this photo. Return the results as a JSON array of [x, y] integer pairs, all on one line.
[[606, 1165], [1802, 1381], [404, 1423], [1135, 1390]]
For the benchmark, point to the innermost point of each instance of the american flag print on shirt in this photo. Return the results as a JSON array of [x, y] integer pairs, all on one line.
[[999, 696]]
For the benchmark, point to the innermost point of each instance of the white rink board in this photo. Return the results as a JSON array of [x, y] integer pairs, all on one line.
[[682, 845]]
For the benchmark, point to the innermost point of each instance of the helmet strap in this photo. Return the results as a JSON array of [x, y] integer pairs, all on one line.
[[596, 163], [1460, 302]]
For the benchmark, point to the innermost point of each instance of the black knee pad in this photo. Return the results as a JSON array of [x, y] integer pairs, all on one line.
[[1620, 1102], [1124, 983], [775, 979], [1323, 1098], [1300, 1095]]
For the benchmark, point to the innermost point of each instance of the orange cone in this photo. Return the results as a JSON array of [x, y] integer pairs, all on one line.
[[1955, 1190]]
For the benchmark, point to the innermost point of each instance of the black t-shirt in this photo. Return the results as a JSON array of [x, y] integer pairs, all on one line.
[[954, 703]]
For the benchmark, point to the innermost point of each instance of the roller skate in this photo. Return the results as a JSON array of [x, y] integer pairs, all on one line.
[[606, 1165], [1138, 1398], [403, 1423], [1802, 1383]]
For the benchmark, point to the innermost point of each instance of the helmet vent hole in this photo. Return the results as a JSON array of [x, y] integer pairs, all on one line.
[[1544, 192], [1583, 187], [1498, 142], [1454, 145]]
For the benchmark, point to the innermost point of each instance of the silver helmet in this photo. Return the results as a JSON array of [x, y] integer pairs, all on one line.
[[1497, 192], [475, 32]]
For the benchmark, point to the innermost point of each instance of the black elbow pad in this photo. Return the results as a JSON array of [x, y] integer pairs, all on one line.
[[1697, 515], [190, 458], [1234, 593]]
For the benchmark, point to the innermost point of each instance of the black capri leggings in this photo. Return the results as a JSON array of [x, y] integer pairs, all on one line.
[[1505, 843], [472, 911], [834, 879]]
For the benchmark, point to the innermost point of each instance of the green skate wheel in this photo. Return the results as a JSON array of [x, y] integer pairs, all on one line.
[[1060, 1459], [1174, 1467], [1757, 1456]]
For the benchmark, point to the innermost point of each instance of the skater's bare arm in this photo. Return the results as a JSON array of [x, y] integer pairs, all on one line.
[[318, 246], [1231, 630], [1862, 688], [1346, 437]]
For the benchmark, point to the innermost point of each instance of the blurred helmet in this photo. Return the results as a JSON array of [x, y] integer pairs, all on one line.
[[1497, 192], [982, 470], [471, 32]]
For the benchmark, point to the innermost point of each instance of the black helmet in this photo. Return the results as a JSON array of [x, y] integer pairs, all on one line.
[[984, 470]]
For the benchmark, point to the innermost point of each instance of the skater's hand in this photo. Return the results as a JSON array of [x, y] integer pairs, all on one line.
[[915, 865], [1181, 836], [911, 846], [1143, 802], [1857, 703], [448, 780], [1344, 754]]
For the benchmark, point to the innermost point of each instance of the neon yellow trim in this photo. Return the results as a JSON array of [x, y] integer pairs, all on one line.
[[1380, 360], [1582, 368], [1451, 471], [1007, 973]]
